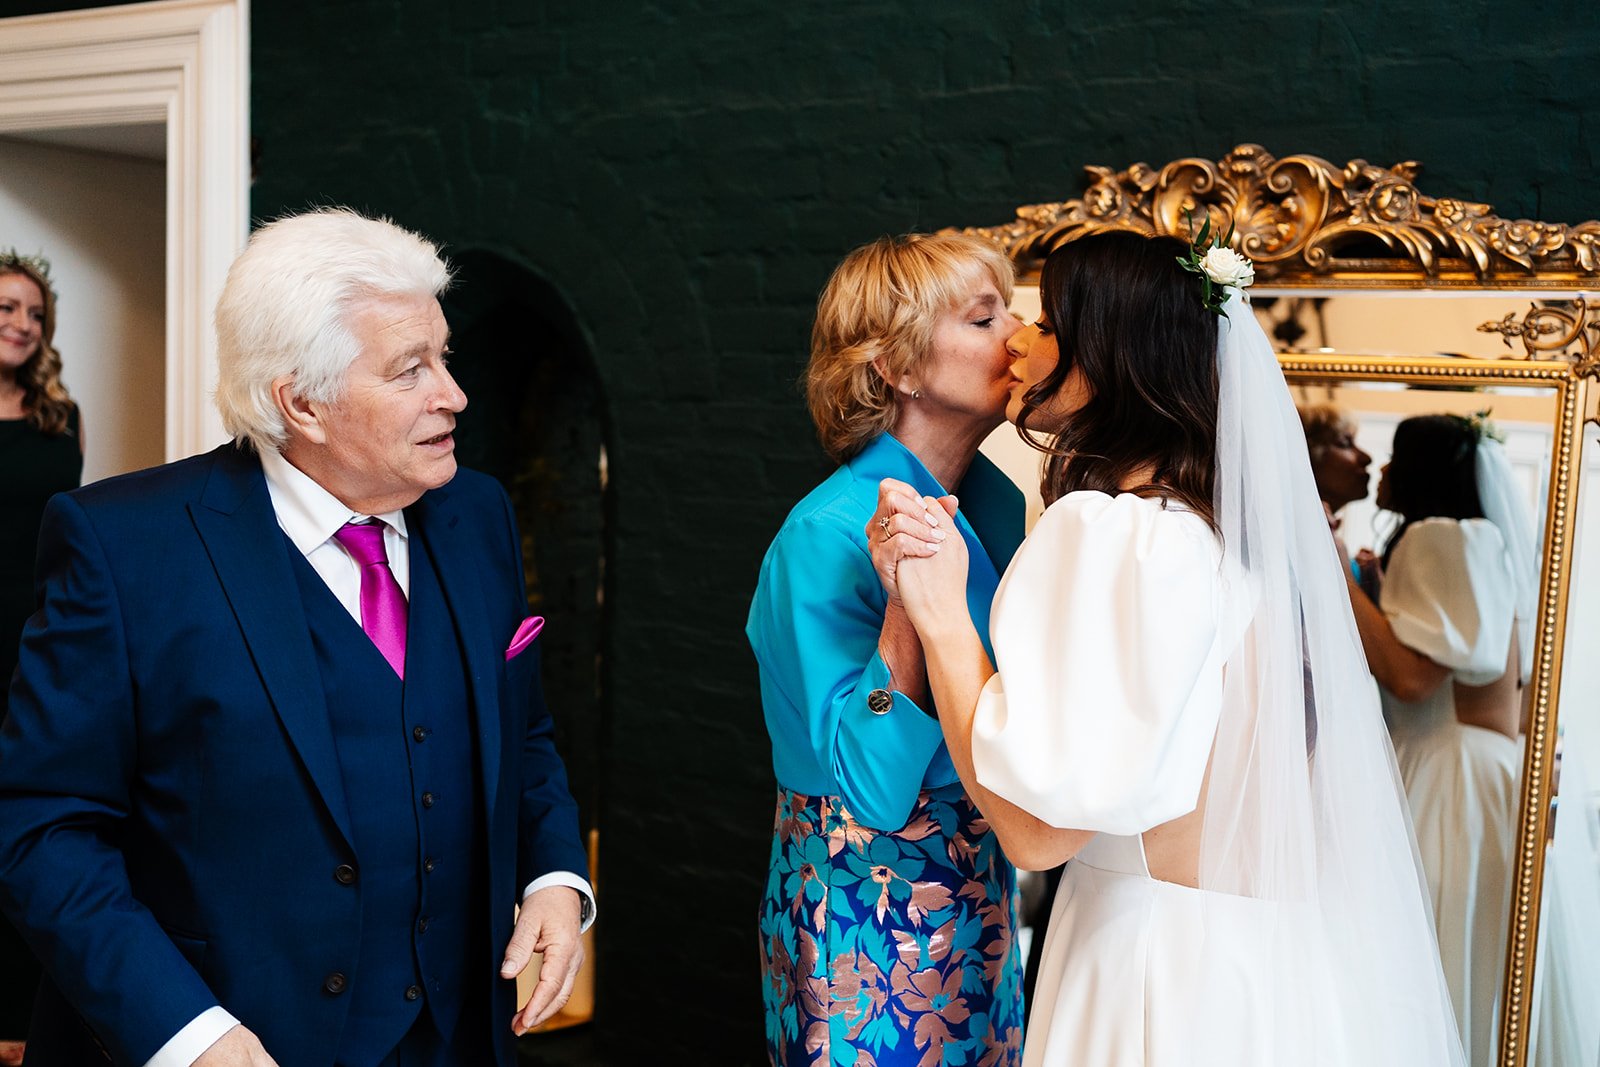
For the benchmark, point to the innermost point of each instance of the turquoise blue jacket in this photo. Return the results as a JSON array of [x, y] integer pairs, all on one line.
[[816, 619]]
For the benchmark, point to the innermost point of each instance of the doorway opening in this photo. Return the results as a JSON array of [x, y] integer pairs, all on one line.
[[91, 200]]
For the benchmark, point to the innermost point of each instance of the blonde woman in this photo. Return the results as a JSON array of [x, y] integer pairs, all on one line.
[[887, 926], [41, 454]]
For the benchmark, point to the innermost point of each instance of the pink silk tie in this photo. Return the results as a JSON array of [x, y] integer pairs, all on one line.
[[383, 606]]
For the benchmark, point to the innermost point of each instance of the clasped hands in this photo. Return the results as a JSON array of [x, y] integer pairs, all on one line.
[[920, 556]]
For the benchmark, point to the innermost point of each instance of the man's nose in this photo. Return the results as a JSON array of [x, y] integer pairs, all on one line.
[[451, 397]]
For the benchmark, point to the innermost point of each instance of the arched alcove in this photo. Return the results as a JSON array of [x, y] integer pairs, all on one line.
[[536, 420]]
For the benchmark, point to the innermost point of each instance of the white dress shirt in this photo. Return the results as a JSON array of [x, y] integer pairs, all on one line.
[[310, 515]]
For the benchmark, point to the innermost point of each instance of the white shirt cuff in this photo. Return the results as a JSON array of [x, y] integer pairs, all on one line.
[[571, 881], [190, 1043]]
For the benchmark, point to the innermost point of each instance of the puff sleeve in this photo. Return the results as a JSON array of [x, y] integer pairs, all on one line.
[[1108, 683], [1448, 594]]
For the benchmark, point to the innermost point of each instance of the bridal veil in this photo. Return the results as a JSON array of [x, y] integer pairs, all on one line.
[[1303, 804]]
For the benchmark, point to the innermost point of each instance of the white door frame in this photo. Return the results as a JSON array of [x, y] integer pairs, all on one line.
[[185, 63]]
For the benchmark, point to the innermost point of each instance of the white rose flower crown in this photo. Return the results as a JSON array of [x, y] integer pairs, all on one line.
[[1217, 265]]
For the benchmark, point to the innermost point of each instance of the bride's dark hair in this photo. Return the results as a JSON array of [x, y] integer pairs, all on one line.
[[1433, 473], [1132, 320]]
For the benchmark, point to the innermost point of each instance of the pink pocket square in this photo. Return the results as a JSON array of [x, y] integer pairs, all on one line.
[[526, 632]]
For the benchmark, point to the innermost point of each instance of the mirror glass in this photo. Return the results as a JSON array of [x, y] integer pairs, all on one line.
[[1460, 645], [1565, 1028]]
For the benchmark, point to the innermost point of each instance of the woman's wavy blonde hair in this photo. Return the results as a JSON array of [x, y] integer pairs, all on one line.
[[45, 401], [875, 323]]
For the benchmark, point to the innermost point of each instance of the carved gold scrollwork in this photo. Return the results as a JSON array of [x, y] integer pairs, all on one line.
[[1572, 331], [1306, 221]]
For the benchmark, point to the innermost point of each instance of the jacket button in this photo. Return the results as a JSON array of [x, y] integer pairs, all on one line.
[[879, 701], [429, 864], [422, 925], [334, 983], [418, 734], [414, 993], [427, 800], [344, 874]]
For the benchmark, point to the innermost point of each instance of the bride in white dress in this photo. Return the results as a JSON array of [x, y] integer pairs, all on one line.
[[1178, 702], [1449, 648]]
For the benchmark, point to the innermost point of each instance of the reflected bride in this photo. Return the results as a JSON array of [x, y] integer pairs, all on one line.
[[1448, 649]]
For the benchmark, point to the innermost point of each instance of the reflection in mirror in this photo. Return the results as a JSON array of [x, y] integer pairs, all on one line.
[[1373, 410], [1565, 1029], [1445, 551]]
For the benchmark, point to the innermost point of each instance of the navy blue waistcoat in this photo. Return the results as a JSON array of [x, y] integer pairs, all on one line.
[[411, 782]]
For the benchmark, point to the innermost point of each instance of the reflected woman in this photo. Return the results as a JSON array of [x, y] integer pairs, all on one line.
[[887, 929], [1338, 464], [1451, 648], [1339, 467]]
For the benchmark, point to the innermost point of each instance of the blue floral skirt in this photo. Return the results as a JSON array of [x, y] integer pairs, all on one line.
[[890, 948]]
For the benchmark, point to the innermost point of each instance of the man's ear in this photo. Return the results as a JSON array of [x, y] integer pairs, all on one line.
[[304, 419]]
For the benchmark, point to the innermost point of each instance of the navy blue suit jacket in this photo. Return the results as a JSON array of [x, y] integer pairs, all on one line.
[[171, 805]]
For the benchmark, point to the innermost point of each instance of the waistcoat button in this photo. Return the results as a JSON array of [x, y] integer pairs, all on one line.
[[334, 983]]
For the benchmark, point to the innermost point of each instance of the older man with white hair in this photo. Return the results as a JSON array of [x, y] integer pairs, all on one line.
[[278, 766]]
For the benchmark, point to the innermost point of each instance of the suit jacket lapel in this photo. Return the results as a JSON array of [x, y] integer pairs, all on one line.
[[235, 520], [433, 522]]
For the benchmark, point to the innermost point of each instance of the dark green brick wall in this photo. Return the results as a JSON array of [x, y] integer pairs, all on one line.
[[684, 175]]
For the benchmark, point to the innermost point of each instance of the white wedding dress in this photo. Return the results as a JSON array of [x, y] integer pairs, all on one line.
[[1110, 635], [1198, 702], [1449, 594]]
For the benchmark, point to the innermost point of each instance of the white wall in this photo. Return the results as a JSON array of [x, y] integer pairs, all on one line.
[[101, 221]]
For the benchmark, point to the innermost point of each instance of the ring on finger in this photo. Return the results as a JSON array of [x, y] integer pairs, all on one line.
[[883, 524]]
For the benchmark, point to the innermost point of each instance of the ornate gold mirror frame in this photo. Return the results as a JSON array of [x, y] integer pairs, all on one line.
[[1310, 225]]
